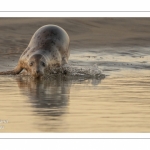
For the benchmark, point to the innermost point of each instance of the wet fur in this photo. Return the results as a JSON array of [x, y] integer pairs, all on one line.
[[51, 43]]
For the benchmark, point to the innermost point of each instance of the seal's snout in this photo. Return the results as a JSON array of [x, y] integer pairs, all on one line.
[[37, 71], [38, 74], [37, 65]]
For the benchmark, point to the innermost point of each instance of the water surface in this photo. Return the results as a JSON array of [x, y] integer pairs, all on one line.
[[117, 103]]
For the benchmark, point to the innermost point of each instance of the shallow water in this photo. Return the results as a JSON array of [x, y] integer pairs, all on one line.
[[119, 102]]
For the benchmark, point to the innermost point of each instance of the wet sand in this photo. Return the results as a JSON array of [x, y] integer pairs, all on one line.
[[83, 32], [117, 103]]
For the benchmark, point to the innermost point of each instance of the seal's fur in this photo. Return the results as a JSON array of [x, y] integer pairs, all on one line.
[[48, 47]]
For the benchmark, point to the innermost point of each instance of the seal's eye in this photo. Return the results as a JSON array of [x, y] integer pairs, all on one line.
[[43, 64], [31, 64]]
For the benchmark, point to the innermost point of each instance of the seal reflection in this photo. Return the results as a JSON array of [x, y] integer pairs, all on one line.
[[49, 99], [50, 96]]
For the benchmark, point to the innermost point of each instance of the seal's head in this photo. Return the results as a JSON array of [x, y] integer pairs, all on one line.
[[37, 65]]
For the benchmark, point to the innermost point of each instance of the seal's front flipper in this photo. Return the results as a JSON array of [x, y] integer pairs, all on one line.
[[17, 70]]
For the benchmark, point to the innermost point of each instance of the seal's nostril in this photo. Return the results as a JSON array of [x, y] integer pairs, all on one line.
[[37, 71]]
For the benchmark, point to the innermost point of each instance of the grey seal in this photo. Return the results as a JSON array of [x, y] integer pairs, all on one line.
[[48, 48]]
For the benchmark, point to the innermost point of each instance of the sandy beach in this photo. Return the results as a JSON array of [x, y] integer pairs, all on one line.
[[83, 32]]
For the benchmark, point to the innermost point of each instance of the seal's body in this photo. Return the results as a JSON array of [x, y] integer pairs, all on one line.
[[48, 47]]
